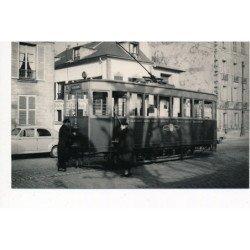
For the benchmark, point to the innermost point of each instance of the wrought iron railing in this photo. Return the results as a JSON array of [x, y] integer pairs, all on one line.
[[224, 77], [27, 74]]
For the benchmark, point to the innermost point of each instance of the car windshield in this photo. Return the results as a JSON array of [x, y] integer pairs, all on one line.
[[15, 131]]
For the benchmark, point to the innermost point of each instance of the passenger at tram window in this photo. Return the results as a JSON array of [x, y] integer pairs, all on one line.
[[164, 107]]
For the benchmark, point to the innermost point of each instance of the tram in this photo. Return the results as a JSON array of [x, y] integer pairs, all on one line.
[[165, 120]]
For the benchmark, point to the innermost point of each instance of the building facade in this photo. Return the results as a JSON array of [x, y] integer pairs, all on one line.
[[221, 68], [105, 60], [32, 84]]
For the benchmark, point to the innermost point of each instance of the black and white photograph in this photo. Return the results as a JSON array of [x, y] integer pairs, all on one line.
[[129, 115], [124, 125]]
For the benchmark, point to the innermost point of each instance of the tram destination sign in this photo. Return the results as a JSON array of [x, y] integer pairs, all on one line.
[[74, 87]]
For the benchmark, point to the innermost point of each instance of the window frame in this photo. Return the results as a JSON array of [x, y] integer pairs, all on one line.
[[26, 45], [142, 106], [108, 105]]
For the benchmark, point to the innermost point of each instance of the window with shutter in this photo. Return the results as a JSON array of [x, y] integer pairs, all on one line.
[[27, 65], [27, 110], [40, 62], [14, 59]]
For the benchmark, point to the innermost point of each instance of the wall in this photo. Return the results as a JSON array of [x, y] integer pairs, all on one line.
[[75, 73], [42, 89], [128, 69], [195, 58], [201, 60]]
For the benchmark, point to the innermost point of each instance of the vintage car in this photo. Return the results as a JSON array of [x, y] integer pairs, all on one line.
[[34, 139]]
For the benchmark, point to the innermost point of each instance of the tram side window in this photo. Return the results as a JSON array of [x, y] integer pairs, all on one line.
[[119, 103], [136, 104], [208, 109], [82, 104], [164, 106], [176, 107], [70, 105], [197, 109], [187, 107], [151, 105], [100, 101]]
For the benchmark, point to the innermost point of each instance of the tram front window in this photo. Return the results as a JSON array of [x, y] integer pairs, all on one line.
[[100, 101], [82, 104], [70, 105], [119, 104], [77, 104]]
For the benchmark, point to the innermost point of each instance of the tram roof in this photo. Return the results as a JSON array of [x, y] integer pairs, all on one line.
[[100, 49], [140, 84]]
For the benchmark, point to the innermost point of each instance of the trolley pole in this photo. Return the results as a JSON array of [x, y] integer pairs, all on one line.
[[242, 131]]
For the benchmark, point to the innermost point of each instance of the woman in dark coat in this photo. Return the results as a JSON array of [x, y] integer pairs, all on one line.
[[64, 145], [126, 149]]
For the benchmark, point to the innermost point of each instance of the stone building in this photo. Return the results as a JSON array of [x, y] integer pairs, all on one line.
[[214, 67], [32, 83], [105, 60]]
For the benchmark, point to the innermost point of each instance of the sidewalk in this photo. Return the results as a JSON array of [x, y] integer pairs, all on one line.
[[236, 135]]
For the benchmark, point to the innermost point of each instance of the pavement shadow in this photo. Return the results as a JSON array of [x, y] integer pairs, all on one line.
[[227, 177], [30, 156]]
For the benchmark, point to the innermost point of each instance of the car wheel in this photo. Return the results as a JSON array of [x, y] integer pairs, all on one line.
[[53, 152]]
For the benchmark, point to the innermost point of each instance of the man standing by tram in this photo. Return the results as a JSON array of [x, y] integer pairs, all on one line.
[[126, 149], [65, 139]]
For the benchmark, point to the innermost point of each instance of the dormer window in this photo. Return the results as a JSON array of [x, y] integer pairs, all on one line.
[[134, 49], [76, 54]]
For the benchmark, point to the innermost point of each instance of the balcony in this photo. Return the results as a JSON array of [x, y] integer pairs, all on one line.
[[60, 96], [236, 79], [238, 105], [27, 74]]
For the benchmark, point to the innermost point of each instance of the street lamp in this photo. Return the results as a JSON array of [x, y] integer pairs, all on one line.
[[242, 131]]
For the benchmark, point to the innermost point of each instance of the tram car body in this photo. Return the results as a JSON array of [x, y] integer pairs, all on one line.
[[164, 120]]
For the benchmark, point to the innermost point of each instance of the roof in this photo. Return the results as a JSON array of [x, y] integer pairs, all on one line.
[[100, 49]]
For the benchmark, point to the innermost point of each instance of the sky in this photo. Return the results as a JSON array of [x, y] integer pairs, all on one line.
[[61, 46]]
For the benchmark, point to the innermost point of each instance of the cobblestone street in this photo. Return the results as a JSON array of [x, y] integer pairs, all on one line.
[[226, 168]]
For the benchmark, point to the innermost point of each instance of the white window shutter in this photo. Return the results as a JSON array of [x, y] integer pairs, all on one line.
[[14, 59], [32, 102], [31, 110], [22, 110], [40, 62]]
